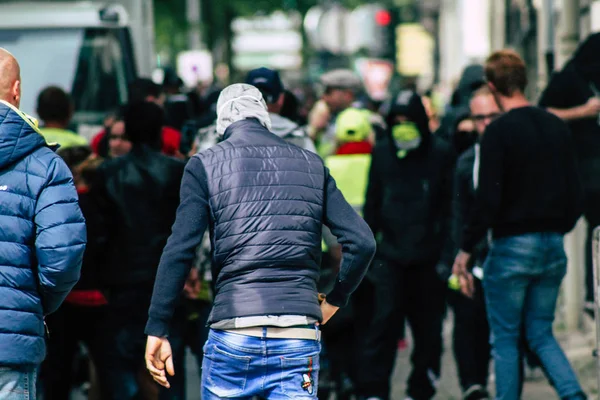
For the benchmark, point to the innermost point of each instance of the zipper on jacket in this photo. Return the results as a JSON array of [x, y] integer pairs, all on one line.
[[46, 328]]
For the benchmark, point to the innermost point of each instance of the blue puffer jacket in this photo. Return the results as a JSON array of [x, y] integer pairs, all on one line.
[[42, 237]]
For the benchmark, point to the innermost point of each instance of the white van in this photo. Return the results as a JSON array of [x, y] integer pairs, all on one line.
[[86, 48]]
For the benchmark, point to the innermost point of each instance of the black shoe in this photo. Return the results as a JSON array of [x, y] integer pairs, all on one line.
[[476, 392]]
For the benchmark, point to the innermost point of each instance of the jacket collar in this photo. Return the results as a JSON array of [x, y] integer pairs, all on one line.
[[19, 135], [244, 125]]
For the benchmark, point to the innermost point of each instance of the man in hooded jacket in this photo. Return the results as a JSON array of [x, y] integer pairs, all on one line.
[[42, 238], [408, 207], [573, 94], [265, 202]]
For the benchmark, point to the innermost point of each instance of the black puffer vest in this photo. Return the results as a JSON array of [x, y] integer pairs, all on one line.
[[266, 201]]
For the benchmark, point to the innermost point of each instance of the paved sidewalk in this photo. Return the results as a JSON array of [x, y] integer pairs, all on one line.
[[578, 347], [579, 350]]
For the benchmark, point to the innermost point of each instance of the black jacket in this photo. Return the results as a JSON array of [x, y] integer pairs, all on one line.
[[139, 194], [94, 258], [463, 201], [408, 201]]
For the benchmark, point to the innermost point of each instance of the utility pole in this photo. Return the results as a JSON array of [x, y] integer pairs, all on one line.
[[574, 241], [498, 24], [194, 18], [545, 44], [569, 31]]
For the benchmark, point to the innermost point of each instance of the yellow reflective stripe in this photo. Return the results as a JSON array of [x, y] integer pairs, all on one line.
[[31, 121]]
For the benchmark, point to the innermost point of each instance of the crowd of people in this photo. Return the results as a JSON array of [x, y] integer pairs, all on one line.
[[468, 211]]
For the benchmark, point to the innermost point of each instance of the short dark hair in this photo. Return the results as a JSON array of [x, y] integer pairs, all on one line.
[[54, 104], [506, 70], [143, 123], [74, 155], [141, 88]]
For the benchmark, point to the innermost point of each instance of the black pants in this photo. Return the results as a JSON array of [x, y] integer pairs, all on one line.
[[471, 338], [400, 291], [338, 341], [70, 326], [592, 216], [125, 340]]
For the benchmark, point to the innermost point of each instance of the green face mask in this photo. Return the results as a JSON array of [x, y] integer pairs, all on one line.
[[407, 137]]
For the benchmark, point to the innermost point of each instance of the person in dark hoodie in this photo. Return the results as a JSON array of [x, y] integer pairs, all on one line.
[[471, 330], [82, 316], [471, 79], [407, 206], [138, 194], [573, 94]]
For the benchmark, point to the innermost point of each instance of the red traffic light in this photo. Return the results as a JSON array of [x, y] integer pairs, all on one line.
[[383, 17]]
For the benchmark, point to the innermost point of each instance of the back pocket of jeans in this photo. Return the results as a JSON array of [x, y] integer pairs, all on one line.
[[300, 377], [227, 373]]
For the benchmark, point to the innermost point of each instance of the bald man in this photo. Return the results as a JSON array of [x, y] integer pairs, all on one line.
[[42, 238], [10, 78]]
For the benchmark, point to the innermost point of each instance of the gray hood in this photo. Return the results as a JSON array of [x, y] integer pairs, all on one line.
[[282, 126], [291, 132]]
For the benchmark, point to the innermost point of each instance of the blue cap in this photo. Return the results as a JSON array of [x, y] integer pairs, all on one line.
[[267, 81]]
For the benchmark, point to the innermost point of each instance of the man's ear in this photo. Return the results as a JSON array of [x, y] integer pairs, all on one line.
[[281, 100], [16, 93], [496, 96]]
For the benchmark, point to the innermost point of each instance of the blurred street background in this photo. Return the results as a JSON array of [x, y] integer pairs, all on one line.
[[192, 49]]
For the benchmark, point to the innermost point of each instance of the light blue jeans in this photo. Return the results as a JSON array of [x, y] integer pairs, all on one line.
[[17, 384], [241, 367], [521, 284]]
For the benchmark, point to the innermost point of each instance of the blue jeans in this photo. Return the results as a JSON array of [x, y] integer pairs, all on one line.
[[521, 283], [240, 367], [17, 384]]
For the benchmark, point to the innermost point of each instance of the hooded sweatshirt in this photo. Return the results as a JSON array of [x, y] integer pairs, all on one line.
[[471, 79], [408, 199], [291, 132]]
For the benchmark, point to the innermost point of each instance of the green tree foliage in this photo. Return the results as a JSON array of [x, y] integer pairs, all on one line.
[[170, 27], [171, 23]]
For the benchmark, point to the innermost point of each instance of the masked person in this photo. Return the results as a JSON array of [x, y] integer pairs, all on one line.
[[470, 340], [407, 206]]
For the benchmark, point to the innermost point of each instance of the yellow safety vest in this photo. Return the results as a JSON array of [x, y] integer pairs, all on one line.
[[351, 174]]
